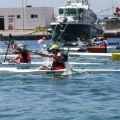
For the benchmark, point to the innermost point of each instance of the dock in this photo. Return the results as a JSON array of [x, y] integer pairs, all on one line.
[[24, 34], [112, 33]]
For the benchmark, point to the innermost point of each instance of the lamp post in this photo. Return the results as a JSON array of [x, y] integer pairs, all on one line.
[[23, 12], [26, 3]]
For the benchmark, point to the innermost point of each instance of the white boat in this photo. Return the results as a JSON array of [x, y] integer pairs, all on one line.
[[14, 71], [97, 70], [75, 19], [70, 54], [33, 56], [112, 24], [37, 64], [76, 54], [114, 56]]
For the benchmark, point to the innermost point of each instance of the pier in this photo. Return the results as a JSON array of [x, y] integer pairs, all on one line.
[[24, 34], [112, 33]]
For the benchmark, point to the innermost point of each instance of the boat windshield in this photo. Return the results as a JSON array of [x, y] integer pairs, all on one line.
[[70, 11]]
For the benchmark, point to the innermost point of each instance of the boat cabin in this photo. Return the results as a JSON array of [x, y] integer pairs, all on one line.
[[77, 11]]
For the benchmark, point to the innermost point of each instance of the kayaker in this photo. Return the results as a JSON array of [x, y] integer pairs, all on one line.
[[58, 59], [103, 41], [23, 55], [12, 45]]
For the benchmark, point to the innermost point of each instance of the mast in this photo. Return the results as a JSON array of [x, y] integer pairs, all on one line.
[[89, 3], [112, 8], [86, 2]]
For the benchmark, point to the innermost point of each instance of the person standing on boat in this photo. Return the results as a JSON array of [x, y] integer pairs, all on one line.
[[23, 55], [58, 59]]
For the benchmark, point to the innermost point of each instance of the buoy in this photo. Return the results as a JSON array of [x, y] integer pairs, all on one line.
[[41, 41], [44, 38], [10, 27], [115, 56]]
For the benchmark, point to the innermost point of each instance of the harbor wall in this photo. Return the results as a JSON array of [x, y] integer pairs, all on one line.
[[24, 35]]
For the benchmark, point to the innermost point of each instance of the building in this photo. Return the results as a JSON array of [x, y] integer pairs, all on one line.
[[26, 18]]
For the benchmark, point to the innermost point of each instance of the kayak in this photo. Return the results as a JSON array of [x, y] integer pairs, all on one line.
[[72, 54], [76, 54], [33, 56], [14, 71], [37, 64], [114, 56], [97, 70]]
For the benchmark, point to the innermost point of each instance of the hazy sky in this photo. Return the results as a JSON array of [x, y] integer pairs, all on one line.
[[95, 4]]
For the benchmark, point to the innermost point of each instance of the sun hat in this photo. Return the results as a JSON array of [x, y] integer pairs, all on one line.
[[56, 47]]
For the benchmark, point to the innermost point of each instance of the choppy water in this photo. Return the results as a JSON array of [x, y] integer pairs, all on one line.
[[81, 96]]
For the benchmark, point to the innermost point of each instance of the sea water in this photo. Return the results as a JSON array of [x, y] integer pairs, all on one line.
[[81, 96]]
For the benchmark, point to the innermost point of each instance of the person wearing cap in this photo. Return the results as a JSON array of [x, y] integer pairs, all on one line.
[[58, 59], [23, 55], [12, 45]]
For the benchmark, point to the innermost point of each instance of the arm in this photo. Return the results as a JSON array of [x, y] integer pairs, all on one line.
[[41, 54], [13, 51], [12, 60], [58, 57]]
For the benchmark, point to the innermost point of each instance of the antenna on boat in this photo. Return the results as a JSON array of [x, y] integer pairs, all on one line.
[[112, 8], [86, 2], [69, 1]]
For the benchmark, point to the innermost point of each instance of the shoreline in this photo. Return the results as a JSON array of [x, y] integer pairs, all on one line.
[[24, 34], [31, 35]]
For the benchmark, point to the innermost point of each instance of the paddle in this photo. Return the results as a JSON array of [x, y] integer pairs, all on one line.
[[11, 60], [63, 31], [2, 38], [10, 37], [45, 55]]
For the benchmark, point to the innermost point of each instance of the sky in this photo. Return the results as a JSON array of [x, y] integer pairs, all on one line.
[[96, 5]]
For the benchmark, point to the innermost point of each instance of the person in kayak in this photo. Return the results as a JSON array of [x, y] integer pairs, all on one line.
[[23, 55], [12, 45], [58, 59], [103, 41]]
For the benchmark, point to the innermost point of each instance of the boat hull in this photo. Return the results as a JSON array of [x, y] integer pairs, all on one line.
[[14, 71], [102, 49], [71, 31], [112, 28], [97, 49], [92, 49], [37, 64]]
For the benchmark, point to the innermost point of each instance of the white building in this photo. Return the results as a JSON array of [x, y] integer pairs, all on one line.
[[25, 18]]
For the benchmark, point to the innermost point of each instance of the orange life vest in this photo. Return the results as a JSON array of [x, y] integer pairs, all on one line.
[[57, 65], [24, 58]]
